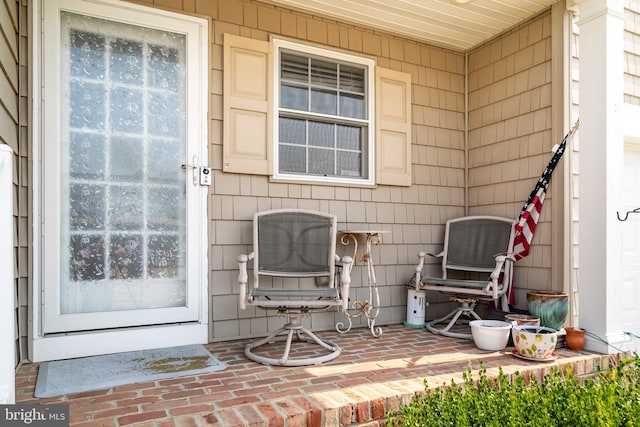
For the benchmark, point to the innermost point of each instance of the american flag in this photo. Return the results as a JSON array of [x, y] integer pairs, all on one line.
[[530, 213]]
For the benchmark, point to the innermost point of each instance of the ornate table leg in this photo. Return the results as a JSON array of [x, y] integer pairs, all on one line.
[[374, 309], [369, 308]]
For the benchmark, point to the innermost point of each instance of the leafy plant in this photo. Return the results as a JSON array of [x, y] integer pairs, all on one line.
[[610, 398]]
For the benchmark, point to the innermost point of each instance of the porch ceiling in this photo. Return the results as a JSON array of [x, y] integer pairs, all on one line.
[[455, 24]]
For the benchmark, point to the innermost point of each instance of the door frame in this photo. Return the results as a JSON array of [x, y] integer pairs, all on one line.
[[44, 347]]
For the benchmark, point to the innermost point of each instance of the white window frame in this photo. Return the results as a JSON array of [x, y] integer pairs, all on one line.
[[333, 56]]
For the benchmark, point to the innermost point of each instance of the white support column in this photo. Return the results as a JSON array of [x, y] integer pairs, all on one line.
[[7, 281], [601, 148]]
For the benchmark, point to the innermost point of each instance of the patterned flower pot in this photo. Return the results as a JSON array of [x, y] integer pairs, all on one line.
[[520, 320], [535, 342], [550, 307]]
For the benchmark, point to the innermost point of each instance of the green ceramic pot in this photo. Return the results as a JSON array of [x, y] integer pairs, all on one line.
[[550, 307]]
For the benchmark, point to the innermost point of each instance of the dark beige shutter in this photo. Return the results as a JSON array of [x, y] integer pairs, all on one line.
[[248, 113], [393, 127]]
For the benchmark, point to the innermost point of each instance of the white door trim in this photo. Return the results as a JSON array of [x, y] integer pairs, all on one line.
[[66, 346], [48, 347]]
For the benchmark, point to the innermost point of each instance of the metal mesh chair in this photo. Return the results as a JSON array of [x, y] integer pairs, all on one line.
[[473, 244], [294, 244]]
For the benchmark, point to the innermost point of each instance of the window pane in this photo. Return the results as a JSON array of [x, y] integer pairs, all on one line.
[[86, 156], [87, 207], [164, 257], [321, 134], [292, 159], [295, 98], [126, 110], [349, 164], [324, 73], [125, 64], [351, 79], [87, 55], [349, 137], [126, 159], [293, 131], [164, 68], [324, 101], [321, 162], [125, 207], [162, 113], [126, 256], [86, 105], [166, 208], [352, 106], [294, 68], [163, 163], [86, 257]]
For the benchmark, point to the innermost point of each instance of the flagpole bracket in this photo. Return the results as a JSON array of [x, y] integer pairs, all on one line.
[[626, 215]]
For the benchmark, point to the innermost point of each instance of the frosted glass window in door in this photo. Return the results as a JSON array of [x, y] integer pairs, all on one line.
[[124, 206]]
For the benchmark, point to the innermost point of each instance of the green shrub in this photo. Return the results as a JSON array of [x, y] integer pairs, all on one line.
[[610, 398]]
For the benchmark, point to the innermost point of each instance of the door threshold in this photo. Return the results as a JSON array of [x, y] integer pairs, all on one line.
[[93, 343]]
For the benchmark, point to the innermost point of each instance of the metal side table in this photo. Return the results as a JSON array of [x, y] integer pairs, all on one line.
[[369, 308]]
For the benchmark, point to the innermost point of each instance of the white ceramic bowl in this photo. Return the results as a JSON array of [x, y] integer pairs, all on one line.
[[535, 342], [490, 334]]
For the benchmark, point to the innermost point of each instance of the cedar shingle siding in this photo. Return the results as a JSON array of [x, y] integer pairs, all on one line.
[[509, 140]]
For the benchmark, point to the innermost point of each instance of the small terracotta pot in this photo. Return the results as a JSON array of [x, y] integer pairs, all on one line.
[[575, 338]]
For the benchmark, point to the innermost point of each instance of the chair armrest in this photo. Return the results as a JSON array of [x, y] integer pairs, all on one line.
[[420, 265], [243, 278], [495, 274], [345, 281]]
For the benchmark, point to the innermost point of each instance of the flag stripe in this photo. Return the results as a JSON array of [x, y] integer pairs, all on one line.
[[526, 226]]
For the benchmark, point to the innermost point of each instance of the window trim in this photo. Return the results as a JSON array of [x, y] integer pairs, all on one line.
[[333, 56]]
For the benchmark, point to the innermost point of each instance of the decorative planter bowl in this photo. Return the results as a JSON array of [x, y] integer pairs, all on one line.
[[535, 342], [490, 334], [550, 307], [520, 319]]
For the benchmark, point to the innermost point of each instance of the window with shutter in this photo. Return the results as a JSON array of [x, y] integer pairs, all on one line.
[[320, 116]]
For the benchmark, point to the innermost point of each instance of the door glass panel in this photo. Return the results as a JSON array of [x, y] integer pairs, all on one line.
[[123, 139]]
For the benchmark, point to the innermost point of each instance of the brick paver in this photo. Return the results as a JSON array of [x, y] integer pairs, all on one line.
[[371, 377]]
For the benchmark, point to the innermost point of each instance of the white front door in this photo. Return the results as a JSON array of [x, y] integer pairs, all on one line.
[[124, 117], [631, 242]]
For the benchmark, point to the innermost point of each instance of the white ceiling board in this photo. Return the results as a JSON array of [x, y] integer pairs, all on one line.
[[440, 22]]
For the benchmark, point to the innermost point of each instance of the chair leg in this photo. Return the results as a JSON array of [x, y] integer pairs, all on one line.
[[286, 333], [467, 308]]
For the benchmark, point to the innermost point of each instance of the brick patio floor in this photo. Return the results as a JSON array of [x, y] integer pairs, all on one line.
[[371, 376]]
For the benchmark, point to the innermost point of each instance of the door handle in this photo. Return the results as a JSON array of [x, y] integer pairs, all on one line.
[[201, 174]]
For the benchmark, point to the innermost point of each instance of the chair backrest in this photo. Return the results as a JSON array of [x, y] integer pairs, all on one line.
[[471, 243], [294, 243]]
